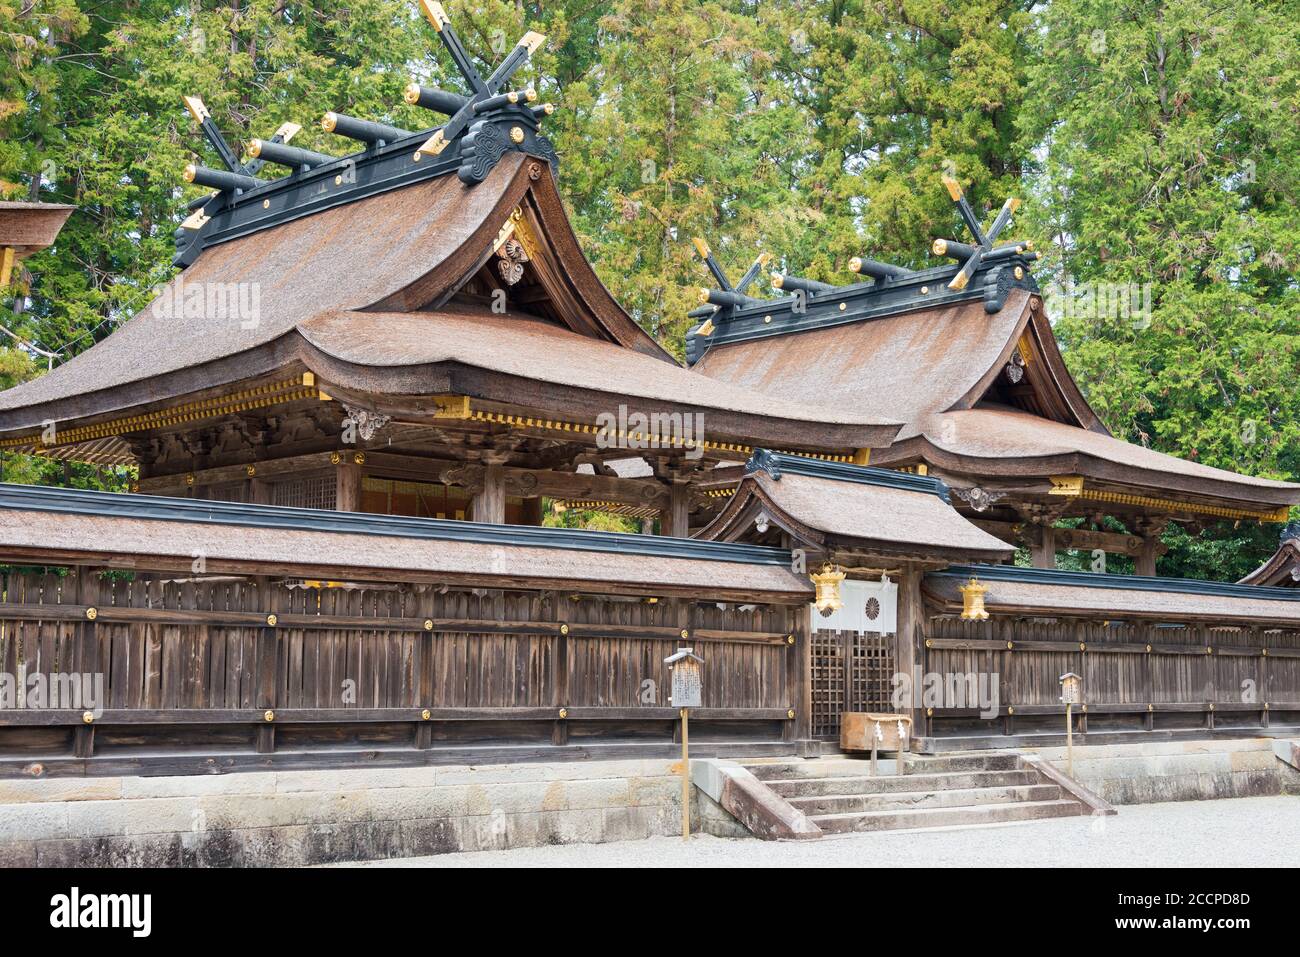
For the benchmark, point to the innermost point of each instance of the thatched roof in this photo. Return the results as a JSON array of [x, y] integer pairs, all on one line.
[[1036, 592], [851, 508], [362, 289], [940, 371]]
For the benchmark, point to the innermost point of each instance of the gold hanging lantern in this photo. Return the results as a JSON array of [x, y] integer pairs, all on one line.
[[972, 601], [828, 589]]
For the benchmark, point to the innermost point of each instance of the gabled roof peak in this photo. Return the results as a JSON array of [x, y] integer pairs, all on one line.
[[482, 126]]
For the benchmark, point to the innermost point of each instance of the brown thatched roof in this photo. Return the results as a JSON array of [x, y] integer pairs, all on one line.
[[1177, 602], [999, 441], [861, 517], [939, 371], [392, 352], [364, 288], [1282, 569], [29, 227], [51, 537]]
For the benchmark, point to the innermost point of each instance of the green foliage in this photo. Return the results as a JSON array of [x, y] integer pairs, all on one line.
[[1171, 131]]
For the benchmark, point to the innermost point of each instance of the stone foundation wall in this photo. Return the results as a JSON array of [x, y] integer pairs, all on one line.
[[1179, 771], [317, 817]]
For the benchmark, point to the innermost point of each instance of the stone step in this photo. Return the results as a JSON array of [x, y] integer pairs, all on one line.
[[906, 800], [925, 764], [945, 816], [883, 784], [799, 770]]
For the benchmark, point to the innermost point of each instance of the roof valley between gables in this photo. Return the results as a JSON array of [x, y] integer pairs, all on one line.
[[987, 271], [481, 127]]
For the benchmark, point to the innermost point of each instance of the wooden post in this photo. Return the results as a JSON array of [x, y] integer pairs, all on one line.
[[347, 489], [83, 738], [1069, 739], [686, 777], [675, 521], [532, 511], [1145, 560], [1043, 552], [259, 491], [489, 505], [909, 640]]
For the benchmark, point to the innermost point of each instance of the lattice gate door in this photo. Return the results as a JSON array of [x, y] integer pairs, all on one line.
[[851, 671]]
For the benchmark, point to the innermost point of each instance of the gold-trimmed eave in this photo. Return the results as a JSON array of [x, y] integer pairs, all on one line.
[[1074, 486], [213, 407], [613, 508], [467, 409]]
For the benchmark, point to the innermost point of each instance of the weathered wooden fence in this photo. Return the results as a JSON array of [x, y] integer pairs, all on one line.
[[221, 674], [1136, 676]]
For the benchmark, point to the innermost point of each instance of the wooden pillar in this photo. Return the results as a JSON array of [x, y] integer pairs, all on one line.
[[259, 491], [675, 521], [1043, 552], [489, 505], [909, 642], [1145, 559], [532, 511], [89, 662], [268, 666], [347, 490]]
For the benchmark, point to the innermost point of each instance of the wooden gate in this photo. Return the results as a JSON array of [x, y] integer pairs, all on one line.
[[851, 671]]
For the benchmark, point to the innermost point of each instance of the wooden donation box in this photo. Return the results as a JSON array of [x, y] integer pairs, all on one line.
[[871, 731]]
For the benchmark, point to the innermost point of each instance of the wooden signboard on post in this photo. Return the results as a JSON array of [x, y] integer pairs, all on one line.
[[685, 668]]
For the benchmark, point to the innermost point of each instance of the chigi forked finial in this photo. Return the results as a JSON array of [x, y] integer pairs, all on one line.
[[983, 251], [726, 296], [487, 111]]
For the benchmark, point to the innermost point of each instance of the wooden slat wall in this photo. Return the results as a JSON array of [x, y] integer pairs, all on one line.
[[200, 653], [1135, 675]]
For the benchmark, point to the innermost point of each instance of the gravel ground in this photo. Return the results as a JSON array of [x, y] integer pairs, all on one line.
[[1243, 832]]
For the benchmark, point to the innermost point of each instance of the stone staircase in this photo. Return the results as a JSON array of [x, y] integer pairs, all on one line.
[[840, 795]]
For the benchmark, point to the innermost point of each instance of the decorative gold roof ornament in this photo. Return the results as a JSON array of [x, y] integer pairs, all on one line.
[[972, 600], [983, 249], [828, 581]]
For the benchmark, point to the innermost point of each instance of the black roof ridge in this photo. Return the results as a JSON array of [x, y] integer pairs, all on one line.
[[39, 498], [1060, 576], [776, 464], [928, 288]]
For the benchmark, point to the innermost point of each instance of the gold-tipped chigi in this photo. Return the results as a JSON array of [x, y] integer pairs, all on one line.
[[959, 281], [701, 247], [954, 187], [434, 145], [435, 14], [532, 41], [196, 108], [706, 328]]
